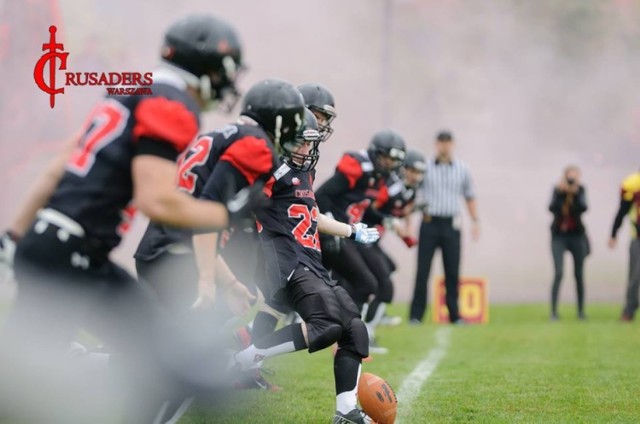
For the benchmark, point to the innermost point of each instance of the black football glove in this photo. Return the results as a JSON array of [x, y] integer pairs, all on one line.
[[242, 206]]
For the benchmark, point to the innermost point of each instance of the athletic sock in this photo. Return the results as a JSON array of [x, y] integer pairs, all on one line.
[[286, 340], [346, 371]]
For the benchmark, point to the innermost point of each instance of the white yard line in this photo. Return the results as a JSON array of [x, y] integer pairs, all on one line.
[[411, 386]]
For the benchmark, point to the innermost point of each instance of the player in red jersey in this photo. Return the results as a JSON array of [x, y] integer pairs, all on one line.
[[216, 166], [66, 281], [296, 278]]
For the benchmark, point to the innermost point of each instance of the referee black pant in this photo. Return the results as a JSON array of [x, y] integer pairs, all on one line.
[[437, 233]]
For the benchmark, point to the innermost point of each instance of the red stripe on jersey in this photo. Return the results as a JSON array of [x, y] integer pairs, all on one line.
[[350, 168], [383, 196], [251, 156], [165, 120], [268, 187]]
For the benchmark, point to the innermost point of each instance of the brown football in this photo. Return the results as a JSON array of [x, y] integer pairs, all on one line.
[[377, 398]]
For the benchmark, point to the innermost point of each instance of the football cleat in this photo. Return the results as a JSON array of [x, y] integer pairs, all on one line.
[[390, 321], [253, 379], [355, 416], [374, 347]]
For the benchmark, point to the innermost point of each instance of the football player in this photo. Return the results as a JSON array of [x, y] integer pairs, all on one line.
[[402, 187], [218, 164], [296, 278], [201, 59], [319, 100], [358, 183], [125, 154]]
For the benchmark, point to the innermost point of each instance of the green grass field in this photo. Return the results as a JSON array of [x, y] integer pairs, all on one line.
[[519, 368]]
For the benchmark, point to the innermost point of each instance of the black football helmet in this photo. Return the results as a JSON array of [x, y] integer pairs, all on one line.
[[278, 107], [387, 143], [415, 160], [208, 52], [308, 133], [319, 99]]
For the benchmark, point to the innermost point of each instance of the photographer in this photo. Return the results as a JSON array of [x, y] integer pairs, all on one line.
[[568, 233]]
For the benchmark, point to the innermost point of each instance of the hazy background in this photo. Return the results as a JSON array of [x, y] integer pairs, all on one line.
[[527, 87]]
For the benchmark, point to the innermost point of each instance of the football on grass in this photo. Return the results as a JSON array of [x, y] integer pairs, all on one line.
[[377, 398]]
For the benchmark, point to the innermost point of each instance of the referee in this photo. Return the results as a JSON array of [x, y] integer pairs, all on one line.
[[446, 181]]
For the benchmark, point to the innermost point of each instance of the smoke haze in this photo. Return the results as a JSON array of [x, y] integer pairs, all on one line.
[[526, 88]]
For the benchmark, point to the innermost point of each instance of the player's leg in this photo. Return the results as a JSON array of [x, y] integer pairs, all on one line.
[[166, 357], [174, 277], [263, 324], [314, 300], [379, 266], [426, 249], [351, 266], [558, 246], [389, 320], [353, 346]]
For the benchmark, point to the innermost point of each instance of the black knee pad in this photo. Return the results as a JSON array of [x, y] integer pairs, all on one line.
[[321, 311], [322, 334], [355, 338]]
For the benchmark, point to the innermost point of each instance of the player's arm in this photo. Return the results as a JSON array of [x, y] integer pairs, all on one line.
[[205, 247], [327, 225], [155, 194], [42, 189], [37, 198], [216, 276], [235, 292], [358, 232], [244, 163]]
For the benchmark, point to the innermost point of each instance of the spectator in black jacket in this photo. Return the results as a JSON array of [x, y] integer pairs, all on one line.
[[568, 233]]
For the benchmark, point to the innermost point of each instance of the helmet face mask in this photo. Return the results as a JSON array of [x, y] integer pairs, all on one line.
[[303, 153], [278, 107], [387, 151], [328, 114], [320, 101], [218, 90], [414, 168]]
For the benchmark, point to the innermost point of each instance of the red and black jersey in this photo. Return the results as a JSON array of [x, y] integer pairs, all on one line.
[[215, 167], [288, 228], [97, 187], [353, 190]]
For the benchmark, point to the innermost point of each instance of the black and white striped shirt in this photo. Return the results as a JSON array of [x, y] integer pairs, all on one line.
[[443, 187]]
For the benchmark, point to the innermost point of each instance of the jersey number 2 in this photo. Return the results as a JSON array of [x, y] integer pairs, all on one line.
[[196, 155], [301, 231]]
